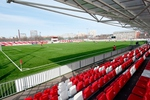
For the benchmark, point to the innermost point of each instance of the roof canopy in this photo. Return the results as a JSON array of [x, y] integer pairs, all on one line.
[[124, 13]]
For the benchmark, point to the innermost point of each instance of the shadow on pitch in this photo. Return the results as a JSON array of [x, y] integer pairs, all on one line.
[[6, 74], [29, 54], [79, 56]]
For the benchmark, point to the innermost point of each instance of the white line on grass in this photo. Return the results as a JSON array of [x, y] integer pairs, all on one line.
[[12, 61], [17, 49], [26, 69]]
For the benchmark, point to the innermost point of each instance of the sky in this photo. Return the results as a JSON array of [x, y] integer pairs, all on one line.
[[14, 17]]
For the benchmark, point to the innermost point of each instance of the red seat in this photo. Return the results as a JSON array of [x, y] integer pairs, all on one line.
[[94, 86], [138, 91], [121, 82], [148, 68], [87, 92], [53, 92], [113, 73], [96, 77], [54, 87], [91, 79], [37, 95], [75, 81], [146, 96], [101, 82], [110, 94], [101, 96], [128, 74], [145, 79], [123, 66], [80, 86], [125, 79], [148, 84], [116, 87], [86, 82], [85, 76], [44, 97], [81, 77], [28, 98], [108, 88], [106, 79], [54, 97], [110, 75], [72, 78], [134, 97], [103, 72], [47, 90], [141, 84]]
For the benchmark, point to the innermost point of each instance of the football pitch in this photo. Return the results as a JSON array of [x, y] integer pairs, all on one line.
[[37, 58]]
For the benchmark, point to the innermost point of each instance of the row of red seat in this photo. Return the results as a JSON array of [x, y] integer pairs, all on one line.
[[115, 68], [142, 89], [112, 90], [46, 94], [101, 81], [83, 85]]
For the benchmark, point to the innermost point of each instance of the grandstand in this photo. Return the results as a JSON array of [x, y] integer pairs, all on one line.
[[22, 43], [124, 77], [123, 74]]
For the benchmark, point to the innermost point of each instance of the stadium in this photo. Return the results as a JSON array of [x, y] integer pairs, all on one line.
[[84, 67]]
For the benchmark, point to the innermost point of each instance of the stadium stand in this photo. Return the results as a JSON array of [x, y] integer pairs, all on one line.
[[141, 91], [104, 81], [22, 43], [34, 42]]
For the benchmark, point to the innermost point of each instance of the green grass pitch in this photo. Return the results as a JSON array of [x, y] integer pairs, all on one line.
[[37, 58]]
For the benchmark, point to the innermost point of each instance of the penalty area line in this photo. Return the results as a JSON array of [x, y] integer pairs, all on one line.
[[12, 61]]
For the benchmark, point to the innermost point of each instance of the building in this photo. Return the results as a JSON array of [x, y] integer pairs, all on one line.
[[54, 39], [23, 35], [33, 33], [127, 34]]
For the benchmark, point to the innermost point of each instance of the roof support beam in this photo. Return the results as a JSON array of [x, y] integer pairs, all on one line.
[[39, 6], [141, 12], [86, 10], [9, 1], [43, 8], [50, 6], [103, 9], [101, 18], [95, 4], [129, 12], [114, 9], [147, 0], [128, 17], [121, 12]]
